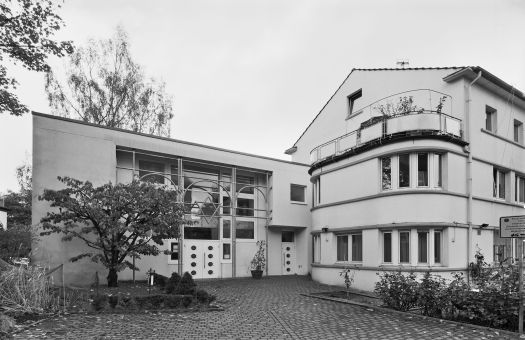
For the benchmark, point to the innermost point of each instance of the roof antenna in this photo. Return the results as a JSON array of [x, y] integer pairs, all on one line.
[[402, 63]]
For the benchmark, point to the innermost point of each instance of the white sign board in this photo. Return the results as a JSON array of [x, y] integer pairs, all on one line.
[[512, 226]]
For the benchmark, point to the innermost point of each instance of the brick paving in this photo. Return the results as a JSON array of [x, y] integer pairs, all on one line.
[[271, 308]]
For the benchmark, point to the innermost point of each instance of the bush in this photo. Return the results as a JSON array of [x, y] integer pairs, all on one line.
[[113, 301], [181, 286], [203, 296], [187, 300], [7, 326], [172, 301], [430, 295], [398, 291], [14, 243], [99, 302], [173, 283], [26, 290], [160, 280]]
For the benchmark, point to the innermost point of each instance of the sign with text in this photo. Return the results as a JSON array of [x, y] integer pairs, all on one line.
[[512, 226]]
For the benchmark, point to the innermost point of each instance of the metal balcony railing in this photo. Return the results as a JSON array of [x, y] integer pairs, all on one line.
[[416, 110]]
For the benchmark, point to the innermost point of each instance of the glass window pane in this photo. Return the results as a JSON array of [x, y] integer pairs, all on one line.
[[287, 236], [386, 173], [148, 169], [226, 205], [438, 162], [357, 248], [501, 184], [245, 207], [226, 251], [387, 247], [245, 230], [174, 175], [422, 247], [404, 247], [495, 182], [174, 251], [422, 169], [226, 228], [522, 189], [437, 247], [297, 193], [342, 248], [404, 171], [245, 184]]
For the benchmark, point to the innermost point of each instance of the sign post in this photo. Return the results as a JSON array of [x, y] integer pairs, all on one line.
[[514, 227]]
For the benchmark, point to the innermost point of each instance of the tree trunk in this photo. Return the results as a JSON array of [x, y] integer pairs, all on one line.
[[112, 278]]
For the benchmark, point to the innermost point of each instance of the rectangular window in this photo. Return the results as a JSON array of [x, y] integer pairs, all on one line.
[[245, 207], [174, 175], [520, 189], [437, 246], [499, 253], [316, 192], [490, 119], [226, 229], [404, 170], [151, 172], [226, 251], [387, 247], [518, 131], [174, 251], [438, 170], [342, 248], [226, 205], [352, 100], [422, 169], [245, 184], [498, 178], [245, 230], [386, 173], [297, 193], [422, 246], [404, 247], [287, 236], [357, 247], [317, 248]]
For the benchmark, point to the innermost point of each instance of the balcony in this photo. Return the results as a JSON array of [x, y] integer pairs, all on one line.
[[411, 113]]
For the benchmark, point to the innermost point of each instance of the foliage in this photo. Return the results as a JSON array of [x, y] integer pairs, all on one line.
[[430, 297], [19, 203], [159, 280], [477, 269], [105, 86], [398, 291], [26, 290], [7, 326], [439, 107], [348, 274], [405, 105], [115, 221], [173, 283], [186, 285], [99, 302], [14, 243], [203, 296], [259, 259], [26, 31]]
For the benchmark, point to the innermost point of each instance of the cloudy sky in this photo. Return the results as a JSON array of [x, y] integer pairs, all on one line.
[[250, 75]]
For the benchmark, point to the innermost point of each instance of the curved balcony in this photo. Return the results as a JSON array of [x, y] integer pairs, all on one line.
[[417, 112]]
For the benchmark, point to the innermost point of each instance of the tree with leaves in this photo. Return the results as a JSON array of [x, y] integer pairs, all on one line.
[[26, 31], [105, 86], [116, 221]]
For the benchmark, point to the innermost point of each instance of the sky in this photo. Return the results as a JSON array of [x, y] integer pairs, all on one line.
[[250, 75]]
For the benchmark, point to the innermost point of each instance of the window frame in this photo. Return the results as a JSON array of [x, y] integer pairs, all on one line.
[[427, 156], [383, 260], [344, 252], [400, 248], [399, 171], [351, 246], [491, 120], [316, 248], [518, 132], [351, 99], [519, 190], [497, 175], [440, 246], [298, 186], [240, 219], [382, 169], [170, 257]]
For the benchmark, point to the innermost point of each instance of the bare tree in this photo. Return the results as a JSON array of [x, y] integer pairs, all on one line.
[[105, 86]]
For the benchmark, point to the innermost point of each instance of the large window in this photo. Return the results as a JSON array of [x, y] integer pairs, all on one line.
[[404, 170], [245, 207], [357, 247], [342, 248], [297, 193], [520, 189], [490, 119], [427, 167], [498, 183], [245, 230], [387, 247], [422, 170], [404, 247], [386, 173]]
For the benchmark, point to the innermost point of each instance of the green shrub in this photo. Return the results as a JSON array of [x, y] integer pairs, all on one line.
[[160, 280], [398, 291], [173, 283], [7, 326], [187, 300], [99, 302], [14, 242], [430, 295], [203, 296], [186, 285], [172, 301], [113, 301]]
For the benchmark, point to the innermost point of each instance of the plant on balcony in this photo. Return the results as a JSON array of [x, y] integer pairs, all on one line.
[[404, 106], [441, 103]]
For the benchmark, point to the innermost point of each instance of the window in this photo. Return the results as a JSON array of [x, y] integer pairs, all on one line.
[[422, 246], [174, 251], [404, 247], [226, 251], [437, 246], [422, 170], [226, 205], [245, 184], [490, 119], [499, 253], [404, 170], [174, 175], [352, 99], [226, 229], [316, 248], [438, 170], [244, 207], [386, 173], [387, 247], [342, 248], [316, 192], [151, 172], [520, 189], [245, 230], [287, 236], [357, 247], [518, 131], [498, 177], [297, 193]]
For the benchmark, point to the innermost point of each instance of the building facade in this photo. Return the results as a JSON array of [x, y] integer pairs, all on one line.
[[234, 199], [412, 169]]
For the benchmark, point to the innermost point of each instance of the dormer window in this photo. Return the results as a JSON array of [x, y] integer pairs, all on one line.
[[352, 100]]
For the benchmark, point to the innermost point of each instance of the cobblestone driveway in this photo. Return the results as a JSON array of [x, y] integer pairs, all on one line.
[[271, 308]]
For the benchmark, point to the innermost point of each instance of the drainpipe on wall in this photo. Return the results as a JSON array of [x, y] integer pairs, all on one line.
[[469, 170]]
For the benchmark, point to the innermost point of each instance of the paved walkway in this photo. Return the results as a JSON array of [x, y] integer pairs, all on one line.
[[271, 308]]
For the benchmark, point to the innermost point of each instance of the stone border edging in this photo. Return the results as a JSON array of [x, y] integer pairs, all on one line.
[[393, 311]]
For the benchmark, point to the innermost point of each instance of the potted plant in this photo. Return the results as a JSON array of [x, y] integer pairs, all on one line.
[[259, 260]]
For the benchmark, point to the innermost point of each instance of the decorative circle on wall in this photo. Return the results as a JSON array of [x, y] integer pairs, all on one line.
[[288, 248], [210, 256], [210, 272], [193, 264], [287, 269], [287, 262], [193, 247], [193, 256], [193, 272], [210, 264], [210, 248], [287, 255]]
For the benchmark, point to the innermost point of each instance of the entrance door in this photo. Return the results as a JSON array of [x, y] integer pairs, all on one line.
[[201, 258], [288, 258]]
